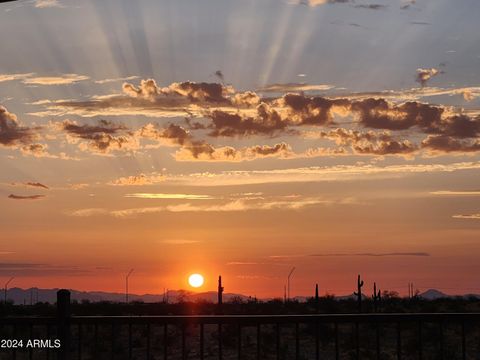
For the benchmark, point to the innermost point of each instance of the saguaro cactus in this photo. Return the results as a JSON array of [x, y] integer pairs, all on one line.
[[377, 297], [220, 290], [358, 293], [316, 297]]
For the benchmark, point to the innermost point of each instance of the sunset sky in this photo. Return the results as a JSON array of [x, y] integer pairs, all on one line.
[[241, 138]]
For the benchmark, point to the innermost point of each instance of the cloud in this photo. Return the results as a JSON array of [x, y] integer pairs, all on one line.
[[64, 79], [42, 4], [206, 152], [169, 196], [371, 6], [456, 193], [12, 77], [101, 138], [228, 114], [138, 180], [31, 184], [447, 144], [467, 216], [11, 132], [111, 80], [314, 3], [26, 197], [294, 87], [424, 75], [15, 136], [239, 205], [88, 212], [315, 174], [267, 122]]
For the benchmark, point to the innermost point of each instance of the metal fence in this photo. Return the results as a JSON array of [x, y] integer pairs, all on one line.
[[314, 336]]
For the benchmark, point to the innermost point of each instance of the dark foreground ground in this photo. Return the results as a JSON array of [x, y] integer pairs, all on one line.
[[121, 339]]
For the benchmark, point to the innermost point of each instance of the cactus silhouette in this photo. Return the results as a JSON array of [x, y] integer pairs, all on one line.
[[220, 291], [316, 297], [377, 297], [358, 293]]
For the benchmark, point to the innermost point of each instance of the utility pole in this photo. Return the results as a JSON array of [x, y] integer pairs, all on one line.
[[6, 288], [126, 285], [288, 283]]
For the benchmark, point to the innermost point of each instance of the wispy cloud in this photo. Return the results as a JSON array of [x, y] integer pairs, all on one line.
[[456, 193], [31, 184], [316, 174], [112, 80], [42, 4], [26, 197], [230, 206], [295, 87], [12, 77], [64, 79], [467, 216], [169, 196]]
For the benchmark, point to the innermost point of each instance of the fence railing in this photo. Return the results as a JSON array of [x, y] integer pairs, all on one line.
[[312, 336]]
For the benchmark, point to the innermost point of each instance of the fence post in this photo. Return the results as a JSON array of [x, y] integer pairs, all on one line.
[[63, 323]]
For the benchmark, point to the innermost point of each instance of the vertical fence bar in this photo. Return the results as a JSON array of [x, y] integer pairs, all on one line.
[[317, 340], [377, 339], [420, 341], [148, 341], [357, 340], [337, 347], [165, 341], [95, 340], [220, 350], [399, 340], [464, 341], [202, 340], [277, 337], [258, 341], [184, 347], [297, 341], [63, 322], [79, 341], [442, 356], [239, 335], [130, 339], [112, 335]]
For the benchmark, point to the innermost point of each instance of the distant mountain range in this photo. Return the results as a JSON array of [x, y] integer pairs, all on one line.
[[32, 295]]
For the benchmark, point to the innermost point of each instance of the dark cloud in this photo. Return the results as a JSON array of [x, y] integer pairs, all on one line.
[[32, 184], [448, 144], [371, 6], [304, 110], [102, 137], [267, 122], [26, 197], [424, 75], [11, 132]]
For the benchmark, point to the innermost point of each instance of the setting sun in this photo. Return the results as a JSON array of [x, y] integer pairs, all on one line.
[[195, 280]]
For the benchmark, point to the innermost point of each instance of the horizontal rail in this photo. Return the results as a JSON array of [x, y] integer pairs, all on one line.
[[253, 319]]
